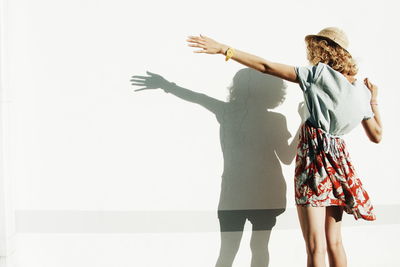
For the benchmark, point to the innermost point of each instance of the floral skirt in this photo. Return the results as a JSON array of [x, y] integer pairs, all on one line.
[[325, 176]]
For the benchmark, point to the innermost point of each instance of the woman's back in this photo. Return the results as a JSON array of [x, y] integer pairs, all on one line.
[[335, 105]]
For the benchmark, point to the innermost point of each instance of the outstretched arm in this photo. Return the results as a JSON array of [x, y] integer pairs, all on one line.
[[210, 46], [155, 81], [373, 126]]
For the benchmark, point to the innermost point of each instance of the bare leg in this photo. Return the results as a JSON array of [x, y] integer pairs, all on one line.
[[333, 221], [312, 222], [231, 224], [259, 248], [230, 242]]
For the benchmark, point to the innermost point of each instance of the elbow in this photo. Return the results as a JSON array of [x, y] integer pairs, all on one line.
[[286, 161], [265, 68], [377, 138], [287, 158]]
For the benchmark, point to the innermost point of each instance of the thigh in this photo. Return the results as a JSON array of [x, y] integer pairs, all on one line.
[[333, 223], [264, 219], [312, 222], [231, 220]]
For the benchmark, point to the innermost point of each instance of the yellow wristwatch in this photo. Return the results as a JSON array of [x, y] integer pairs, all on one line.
[[229, 53]]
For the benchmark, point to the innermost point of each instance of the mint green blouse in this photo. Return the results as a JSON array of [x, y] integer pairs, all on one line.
[[334, 104]]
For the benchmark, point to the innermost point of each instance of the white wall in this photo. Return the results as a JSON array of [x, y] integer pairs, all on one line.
[[88, 154], [7, 193]]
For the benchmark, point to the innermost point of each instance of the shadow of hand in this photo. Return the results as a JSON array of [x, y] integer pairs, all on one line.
[[154, 81]]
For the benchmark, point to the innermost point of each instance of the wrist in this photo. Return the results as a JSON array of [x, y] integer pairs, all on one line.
[[168, 86], [223, 49]]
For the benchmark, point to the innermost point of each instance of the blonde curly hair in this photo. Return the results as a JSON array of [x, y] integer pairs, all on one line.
[[320, 49]]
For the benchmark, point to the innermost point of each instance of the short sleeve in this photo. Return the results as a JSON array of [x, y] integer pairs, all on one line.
[[307, 75]]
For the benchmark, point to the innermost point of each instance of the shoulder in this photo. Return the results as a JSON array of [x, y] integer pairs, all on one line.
[[307, 75], [334, 78], [329, 71], [310, 70]]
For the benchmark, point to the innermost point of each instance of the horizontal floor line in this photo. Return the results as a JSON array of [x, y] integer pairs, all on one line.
[[96, 221]]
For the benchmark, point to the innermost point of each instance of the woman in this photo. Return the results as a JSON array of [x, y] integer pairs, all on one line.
[[326, 183]]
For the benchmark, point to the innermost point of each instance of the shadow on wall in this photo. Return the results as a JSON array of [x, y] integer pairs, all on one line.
[[254, 142]]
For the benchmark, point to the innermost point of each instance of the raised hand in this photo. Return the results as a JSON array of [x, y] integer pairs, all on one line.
[[154, 81], [372, 87], [208, 45]]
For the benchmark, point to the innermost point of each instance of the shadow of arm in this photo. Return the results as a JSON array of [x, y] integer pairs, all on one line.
[[286, 152], [212, 104]]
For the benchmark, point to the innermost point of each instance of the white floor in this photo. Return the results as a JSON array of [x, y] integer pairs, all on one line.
[[192, 249]]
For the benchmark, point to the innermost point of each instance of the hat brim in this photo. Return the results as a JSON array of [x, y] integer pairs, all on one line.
[[309, 36]]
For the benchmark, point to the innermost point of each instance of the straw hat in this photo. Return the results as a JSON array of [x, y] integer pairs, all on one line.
[[334, 34]]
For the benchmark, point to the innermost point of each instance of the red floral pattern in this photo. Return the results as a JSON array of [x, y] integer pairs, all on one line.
[[325, 175]]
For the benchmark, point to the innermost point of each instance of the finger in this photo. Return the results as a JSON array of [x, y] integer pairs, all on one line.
[[202, 36], [196, 38], [137, 80], [139, 84], [140, 77], [151, 73], [141, 89], [199, 51], [192, 37], [201, 46], [196, 41]]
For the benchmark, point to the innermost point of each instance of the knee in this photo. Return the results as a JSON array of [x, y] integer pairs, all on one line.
[[334, 245], [259, 249], [229, 249], [316, 250], [315, 246]]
